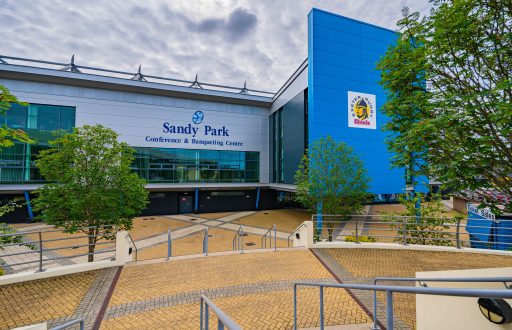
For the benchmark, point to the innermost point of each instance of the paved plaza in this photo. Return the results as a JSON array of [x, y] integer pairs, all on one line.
[[254, 288], [150, 234]]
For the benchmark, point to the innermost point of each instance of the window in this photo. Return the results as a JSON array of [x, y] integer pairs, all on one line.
[[189, 165], [17, 163]]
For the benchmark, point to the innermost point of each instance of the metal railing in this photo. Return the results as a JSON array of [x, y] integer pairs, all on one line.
[[268, 234], [45, 254], [134, 246], [414, 230], [205, 242], [389, 290], [70, 323], [238, 240], [295, 232], [222, 319], [138, 76], [375, 325]]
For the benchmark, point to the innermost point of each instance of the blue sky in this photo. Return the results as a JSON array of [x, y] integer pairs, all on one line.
[[228, 42]]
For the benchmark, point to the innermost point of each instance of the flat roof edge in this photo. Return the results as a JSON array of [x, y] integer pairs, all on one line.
[[24, 73]]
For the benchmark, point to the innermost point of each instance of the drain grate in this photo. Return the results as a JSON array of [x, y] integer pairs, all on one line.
[[250, 244], [210, 235], [265, 212], [193, 219], [244, 234]]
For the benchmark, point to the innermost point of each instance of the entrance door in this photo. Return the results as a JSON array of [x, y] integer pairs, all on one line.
[[185, 204]]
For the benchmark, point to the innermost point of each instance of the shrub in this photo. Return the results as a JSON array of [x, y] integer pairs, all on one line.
[[362, 239]]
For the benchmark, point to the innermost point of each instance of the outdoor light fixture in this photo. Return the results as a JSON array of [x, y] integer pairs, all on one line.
[[495, 310]]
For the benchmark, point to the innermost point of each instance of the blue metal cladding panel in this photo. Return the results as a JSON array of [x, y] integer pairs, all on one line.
[[342, 57]]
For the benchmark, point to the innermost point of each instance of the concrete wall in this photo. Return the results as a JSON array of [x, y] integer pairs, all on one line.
[[136, 116], [440, 312]]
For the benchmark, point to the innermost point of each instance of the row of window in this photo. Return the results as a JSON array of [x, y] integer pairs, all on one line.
[[186, 165], [17, 163]]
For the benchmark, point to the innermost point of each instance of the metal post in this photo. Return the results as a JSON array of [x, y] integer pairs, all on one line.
[[205, 244], [275, 237], [321, 307], [40, 252], [405, 231], [242, 241], [220, 325], [201, 314], [357, 232], [375, 326], [207, 317], [82, 325], [457, 234], [389, 302], [294, 307], [169, 247]]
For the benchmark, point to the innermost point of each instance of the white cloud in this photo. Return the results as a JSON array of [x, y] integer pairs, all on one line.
[[227, 42]]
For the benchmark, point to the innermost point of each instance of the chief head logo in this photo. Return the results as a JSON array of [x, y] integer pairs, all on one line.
[[197, 117], [361, 110]]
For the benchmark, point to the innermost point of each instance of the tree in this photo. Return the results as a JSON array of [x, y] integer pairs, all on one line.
[[331, 175], [9, 135], [462, 124], [90, 184], [426, 221]]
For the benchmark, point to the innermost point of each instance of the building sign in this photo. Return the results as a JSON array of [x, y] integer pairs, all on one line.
[[484, 213], [194, 133], [362, 110]]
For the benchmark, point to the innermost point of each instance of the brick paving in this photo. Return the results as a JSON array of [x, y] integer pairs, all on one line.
[[362, 265], [38, 301], [256, 290]]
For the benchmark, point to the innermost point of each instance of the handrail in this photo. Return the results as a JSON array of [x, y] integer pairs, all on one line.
[[375, 325], [135, 246], [37, 246], [28, 232], [223, 319], [238, 240], [389, 289], [70, 323], [407, 230], [293, 232], [264, 238], [205, 242]]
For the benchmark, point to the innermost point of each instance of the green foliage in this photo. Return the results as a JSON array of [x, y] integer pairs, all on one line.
[[362, 239], [6, 229], [459, 129], [90, 184], [9, 135], [427, 225], [330, 173]]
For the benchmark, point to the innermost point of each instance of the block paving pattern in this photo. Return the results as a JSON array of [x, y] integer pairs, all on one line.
[[256, 290], [37, 301], [362, 265]]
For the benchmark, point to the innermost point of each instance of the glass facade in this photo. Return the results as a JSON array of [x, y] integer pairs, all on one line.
[[17, 163], [188, 165], [277, 146]]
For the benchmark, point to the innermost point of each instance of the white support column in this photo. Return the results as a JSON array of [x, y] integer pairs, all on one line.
[[122, 247], [305, 235]]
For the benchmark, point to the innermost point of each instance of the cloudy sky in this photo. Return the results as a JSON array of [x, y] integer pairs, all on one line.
[[224, 41]]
